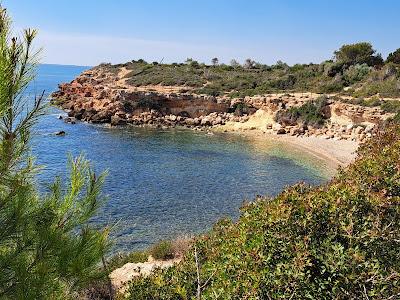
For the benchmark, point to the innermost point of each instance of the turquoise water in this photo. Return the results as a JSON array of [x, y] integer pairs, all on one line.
[[165, 183]]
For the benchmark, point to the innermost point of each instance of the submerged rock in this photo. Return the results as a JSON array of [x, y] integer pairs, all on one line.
[[60, 133]]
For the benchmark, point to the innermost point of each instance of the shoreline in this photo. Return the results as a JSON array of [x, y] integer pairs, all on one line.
[[335, 153]]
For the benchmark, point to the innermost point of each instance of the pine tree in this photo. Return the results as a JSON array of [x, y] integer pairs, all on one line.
[[47, 247]]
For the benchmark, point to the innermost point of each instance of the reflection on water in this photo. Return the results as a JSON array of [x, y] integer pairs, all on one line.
[[163, 183]]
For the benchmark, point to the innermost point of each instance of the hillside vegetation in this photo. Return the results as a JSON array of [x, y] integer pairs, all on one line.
[[355, 70], [337, 241]]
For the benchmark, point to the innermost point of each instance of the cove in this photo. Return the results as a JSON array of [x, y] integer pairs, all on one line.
[[165, 183]]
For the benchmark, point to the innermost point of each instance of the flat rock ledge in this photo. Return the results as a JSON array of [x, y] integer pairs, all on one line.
[[122, 276]]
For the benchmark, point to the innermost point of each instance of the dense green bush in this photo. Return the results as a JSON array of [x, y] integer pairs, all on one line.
[[332, 86], [310, 113], [337, 241], [392, 106], [118, 260], [394, 57], [359, 53], [356, 73], [240, 109], [162, 250], [369, 102]]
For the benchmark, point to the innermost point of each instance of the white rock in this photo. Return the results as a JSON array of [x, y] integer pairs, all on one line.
[[121, 276], [276, 126]]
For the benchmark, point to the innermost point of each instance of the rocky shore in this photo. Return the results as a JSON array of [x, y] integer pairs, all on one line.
[[98, 96]]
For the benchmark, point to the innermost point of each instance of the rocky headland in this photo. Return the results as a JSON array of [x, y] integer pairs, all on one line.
[[101, 96]]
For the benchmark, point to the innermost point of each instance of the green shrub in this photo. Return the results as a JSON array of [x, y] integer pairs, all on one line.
[[310, 113], [385, 88], [257, 79], [240, 109], [162, 250], [337, 241], [394, 57], [330, 87], [392, 106], [396, 118], [356, 73], [210, 90], [359, 53], [120, 259], [371, 102]]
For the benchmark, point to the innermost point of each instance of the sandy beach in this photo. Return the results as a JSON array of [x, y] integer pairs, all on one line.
[[335, 153]]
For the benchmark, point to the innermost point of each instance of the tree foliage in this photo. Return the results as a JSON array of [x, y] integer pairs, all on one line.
[[359, 53], [310, 113], [394, 57], [47, 247]]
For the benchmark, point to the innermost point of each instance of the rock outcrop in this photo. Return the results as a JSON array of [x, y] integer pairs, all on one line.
[[100, 96], [121, 276]]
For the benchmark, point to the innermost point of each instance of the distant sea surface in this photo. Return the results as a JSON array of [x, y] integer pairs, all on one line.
[[165, 183]]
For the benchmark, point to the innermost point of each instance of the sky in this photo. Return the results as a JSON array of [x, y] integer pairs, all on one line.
[[89, 32]]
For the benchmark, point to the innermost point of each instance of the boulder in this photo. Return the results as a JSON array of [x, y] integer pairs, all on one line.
[[358, 130], [217, 121], [122, 276], [117, 120], [70, 120], [205, 121], [190, 122], [276, 127], [281, 131], [60, 133]]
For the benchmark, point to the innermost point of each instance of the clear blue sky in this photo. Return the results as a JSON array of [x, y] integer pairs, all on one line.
[[87, 32]]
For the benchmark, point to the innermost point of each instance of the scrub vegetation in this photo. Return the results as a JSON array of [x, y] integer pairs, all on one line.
[[356, 70]]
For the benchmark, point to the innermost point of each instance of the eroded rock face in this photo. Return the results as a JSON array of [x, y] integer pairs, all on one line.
[[100, 96], [93, 97]]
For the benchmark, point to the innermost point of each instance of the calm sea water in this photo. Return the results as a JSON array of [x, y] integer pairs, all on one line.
[[164, 183]]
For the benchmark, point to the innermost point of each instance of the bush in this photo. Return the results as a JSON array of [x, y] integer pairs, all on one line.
[[394, 57], [162, 250], [396, 118], [240, 109], [256, 79], [210, 90], [310, 113], [120, 259], [392, 106], [371, 102], [331, 87], [337, 241], [356, 73], [385, 88], [359, 53]]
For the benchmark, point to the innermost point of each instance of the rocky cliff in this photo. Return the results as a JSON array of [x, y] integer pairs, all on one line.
[[101, 96]]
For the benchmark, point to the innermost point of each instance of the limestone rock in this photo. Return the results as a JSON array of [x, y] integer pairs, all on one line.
[[121, 276]]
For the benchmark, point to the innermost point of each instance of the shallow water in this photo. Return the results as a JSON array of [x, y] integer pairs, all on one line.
[[164, 183]]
